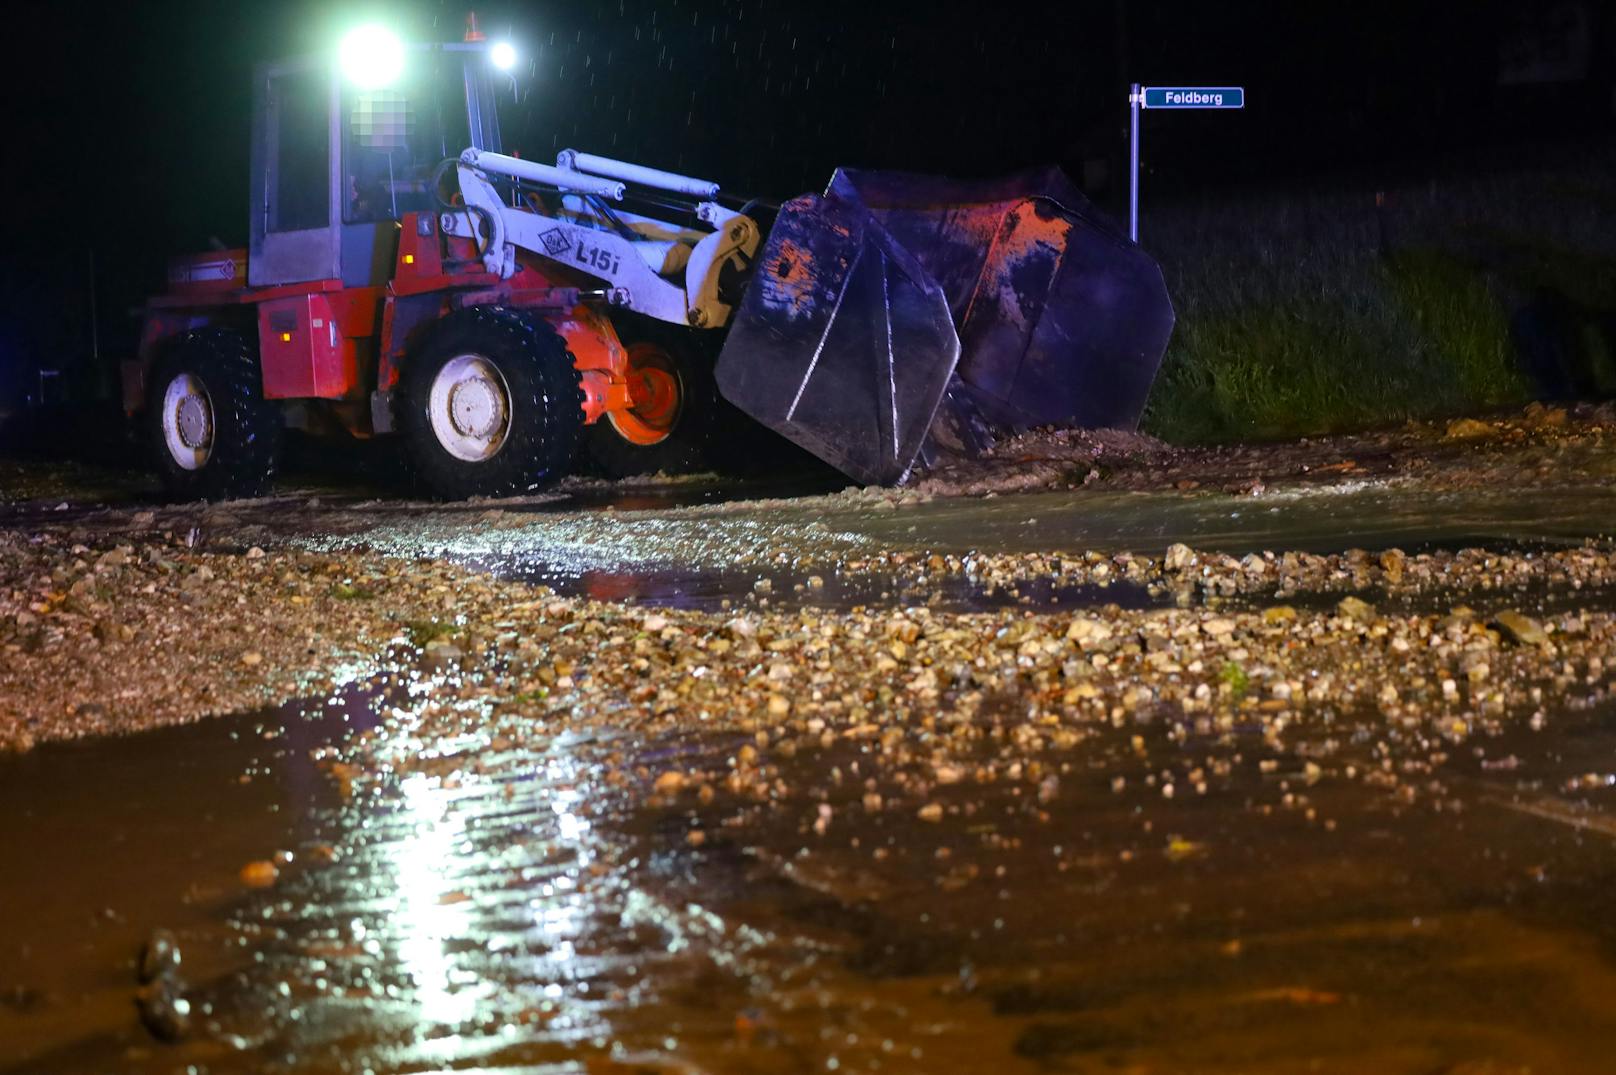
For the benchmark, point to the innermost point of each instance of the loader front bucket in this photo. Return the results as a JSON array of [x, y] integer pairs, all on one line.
[[842, 343], [1061, 319]]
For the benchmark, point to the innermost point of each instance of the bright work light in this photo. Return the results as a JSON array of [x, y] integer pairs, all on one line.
[[372, 57], [504, 55]]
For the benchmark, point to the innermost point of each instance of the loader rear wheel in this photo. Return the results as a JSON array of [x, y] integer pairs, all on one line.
[[670, 425], [492, 405], [213, 434]]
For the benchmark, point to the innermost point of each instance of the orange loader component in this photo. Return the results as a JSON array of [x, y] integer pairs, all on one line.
[[636, 388], [478, 315], [655, 397]]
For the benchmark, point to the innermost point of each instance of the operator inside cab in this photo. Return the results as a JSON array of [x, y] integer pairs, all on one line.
[[378, 156], [392, 142]]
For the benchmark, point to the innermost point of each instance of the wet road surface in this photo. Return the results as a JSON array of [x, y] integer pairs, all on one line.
[[109, 839], [537, 906], [456, 893], [699, 543]]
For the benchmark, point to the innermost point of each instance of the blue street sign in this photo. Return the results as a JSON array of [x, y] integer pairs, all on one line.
[[1167, 97], [1194, 97]]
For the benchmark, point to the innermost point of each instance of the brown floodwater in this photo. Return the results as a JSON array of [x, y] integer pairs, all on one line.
[[705, 546], [528, 905], [525, 904]]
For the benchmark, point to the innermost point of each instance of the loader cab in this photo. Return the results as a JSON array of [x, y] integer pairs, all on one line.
[[336, 164]]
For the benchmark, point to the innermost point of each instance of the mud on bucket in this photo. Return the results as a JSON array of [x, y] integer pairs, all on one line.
[[842, 343]]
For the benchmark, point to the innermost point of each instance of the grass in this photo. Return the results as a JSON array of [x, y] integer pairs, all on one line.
[[421, 632], [1458, 316], [1312, 314], [1235, 676]]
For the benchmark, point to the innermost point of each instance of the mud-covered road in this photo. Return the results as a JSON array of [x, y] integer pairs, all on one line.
[[1246, 760]]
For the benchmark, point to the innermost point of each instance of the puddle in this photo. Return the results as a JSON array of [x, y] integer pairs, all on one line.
[[719, 589], [107, 839]]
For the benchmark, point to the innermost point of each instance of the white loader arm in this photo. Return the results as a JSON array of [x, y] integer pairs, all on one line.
[[604, 254]]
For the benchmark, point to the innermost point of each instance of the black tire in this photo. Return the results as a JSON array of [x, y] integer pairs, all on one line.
[[687, 446], [538, 433], [236, 453]]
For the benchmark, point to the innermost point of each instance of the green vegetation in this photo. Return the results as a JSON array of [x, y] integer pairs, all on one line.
[[1235, 676], [1311, 315], [420, 632], [1461, 318]]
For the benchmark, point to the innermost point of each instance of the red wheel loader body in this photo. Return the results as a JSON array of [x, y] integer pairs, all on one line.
[[858, 318]]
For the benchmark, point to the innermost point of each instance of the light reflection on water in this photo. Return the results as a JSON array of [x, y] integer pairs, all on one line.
[[708, 558], [578, 937], [526, 909], [430, 910], [504, 939]]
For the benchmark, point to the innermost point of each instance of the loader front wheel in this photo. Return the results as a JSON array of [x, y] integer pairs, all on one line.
[[669, 426], [492, 405], [213, 434]]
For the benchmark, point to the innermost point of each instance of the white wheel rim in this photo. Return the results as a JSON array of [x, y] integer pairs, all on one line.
[[470, 408], [188, 421]]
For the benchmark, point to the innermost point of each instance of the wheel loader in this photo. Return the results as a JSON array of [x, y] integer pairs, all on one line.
[[406, 276]]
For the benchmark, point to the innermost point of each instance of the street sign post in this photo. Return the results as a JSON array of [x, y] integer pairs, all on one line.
[[1168, 97], [1193, 97]]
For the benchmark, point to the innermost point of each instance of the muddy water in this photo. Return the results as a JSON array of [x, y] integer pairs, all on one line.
[[1369, 514], [702, 555], [531, 906], [697, 543], [105, 840], [671, 587]]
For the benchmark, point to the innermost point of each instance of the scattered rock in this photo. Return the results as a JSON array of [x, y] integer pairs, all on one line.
[[1521, 630], [1458, 618], [164, 1010], [1356, 609], [441, 655], [16, 741], [1180, 557], [1084, 629], [260, 874], [1541, 416], [160, 955], [1467, 429]]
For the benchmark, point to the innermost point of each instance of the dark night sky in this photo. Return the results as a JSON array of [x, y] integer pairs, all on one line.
[[128, 123]]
